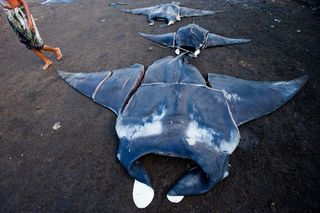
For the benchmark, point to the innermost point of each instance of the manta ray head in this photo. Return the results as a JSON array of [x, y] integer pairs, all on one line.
[[191, 37]]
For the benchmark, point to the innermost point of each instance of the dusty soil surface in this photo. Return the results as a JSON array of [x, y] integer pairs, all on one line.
[[74, 169]]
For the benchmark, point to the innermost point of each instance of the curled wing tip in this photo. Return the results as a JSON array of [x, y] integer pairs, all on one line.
[[303, 79], [245, 40], [166, 39], [145, 35], [62, 73]]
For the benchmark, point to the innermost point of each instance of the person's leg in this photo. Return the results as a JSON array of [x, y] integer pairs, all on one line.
[[43, 58], [56, 50]]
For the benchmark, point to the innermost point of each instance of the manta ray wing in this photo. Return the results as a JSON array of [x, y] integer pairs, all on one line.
[[189, 12], [164, 39], [249, 100], [108, 88], [140, 11], [216, 40]]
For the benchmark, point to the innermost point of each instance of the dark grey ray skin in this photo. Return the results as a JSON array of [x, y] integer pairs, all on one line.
[[169, 110], [192, 38], [57, 1], [170, 12]]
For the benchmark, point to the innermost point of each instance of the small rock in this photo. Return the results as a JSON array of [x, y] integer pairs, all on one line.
[[103, 20], [150, 48], [273, 207], [272, 26], [56, 126], [277, 20], [298, 31]]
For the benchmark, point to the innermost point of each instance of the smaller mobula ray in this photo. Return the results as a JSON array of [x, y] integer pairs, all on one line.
[[192, 38], [169, 110], [57, 1], [170, 12]]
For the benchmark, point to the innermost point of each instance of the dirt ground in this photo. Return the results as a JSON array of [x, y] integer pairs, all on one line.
[[276, 167]]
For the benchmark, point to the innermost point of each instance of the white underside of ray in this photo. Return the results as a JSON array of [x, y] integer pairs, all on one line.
[[142, 194], [149, 128], [194, 55], [175, 199]]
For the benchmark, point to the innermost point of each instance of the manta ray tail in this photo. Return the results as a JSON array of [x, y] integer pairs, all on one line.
[[249, 100], [216, 40], [188, 12], [164, 39], [108, 88]]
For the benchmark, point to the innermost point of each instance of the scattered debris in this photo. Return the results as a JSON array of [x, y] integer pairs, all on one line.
[[277, 20], [273, 207], [115, 4], [56, 126]]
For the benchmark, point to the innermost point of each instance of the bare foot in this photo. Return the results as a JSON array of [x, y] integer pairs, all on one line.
[[47, 64], [58, 54]]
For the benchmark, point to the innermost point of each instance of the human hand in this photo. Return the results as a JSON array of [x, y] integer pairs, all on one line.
[[31, 27]]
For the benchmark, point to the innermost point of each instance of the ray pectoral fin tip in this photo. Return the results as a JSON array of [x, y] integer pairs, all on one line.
[[143, 34], [219, 11], [62, 74]]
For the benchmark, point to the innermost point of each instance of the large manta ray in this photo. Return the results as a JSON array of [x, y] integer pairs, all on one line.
[[169, 110], [192, 38], [171, 12]]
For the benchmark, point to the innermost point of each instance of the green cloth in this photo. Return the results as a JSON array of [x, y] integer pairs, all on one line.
[[19, 23]]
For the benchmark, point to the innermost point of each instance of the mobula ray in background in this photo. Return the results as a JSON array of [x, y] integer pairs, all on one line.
[[172, 112], [192, 38], [57, 1], [171, 12]]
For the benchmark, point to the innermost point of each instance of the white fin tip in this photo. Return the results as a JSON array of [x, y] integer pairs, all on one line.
[[175, 199], [142, 194]]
